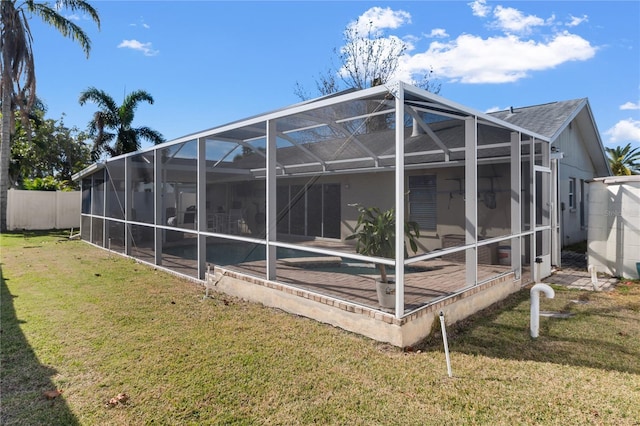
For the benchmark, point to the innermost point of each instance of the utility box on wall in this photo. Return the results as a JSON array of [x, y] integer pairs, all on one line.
[[614, 225]]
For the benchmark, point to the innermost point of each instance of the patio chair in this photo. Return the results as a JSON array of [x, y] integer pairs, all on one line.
[[236, 220]]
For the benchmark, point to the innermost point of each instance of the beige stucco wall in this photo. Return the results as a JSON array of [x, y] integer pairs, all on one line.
[[37, 210], [377, 189]]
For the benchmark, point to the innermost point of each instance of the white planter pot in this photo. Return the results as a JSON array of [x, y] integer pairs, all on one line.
[[386, 293]]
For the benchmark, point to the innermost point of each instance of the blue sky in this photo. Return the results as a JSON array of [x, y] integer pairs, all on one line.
[[207, 63]]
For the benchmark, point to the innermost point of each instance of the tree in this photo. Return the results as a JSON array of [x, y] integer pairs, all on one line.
[[112, 123], [367, 59], [46, 148], [624, 161], [47, 183], [18, 70]]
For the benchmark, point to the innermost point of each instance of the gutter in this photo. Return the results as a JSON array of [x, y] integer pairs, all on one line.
[[87, 171]]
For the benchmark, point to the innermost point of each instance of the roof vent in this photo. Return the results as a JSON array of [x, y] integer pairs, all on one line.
[[511, 109]]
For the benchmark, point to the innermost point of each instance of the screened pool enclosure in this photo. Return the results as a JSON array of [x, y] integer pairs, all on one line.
[[270, 200]]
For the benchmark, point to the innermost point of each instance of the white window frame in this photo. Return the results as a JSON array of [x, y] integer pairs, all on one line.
[[572, 194]]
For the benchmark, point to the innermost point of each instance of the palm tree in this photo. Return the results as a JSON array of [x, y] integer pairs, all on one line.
[[118, 119], [624, 161], [18, 70]]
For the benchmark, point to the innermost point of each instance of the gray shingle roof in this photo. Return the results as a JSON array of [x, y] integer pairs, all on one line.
[[545, 119]]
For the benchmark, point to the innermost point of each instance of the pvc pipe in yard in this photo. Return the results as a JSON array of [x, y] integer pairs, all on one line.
[[446, 345], [594, 276], [535, 305]]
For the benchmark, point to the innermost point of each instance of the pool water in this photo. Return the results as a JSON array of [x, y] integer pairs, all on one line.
[[360, 268], [234, 253], [223, 254]]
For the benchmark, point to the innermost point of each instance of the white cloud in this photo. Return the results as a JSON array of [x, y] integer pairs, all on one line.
[[630, 105], [493, 109], [576, 20], [512, 20], [472, 59], [624, 131], [145, 48], [480, 8], [380, 19], [76, 17], [437, 33], [506, 57], [142, 24]]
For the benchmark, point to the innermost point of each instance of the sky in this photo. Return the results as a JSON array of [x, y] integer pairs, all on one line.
[[208, 63]]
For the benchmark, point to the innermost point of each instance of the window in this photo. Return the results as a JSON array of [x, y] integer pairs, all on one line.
[[572, 193], [423, 201], [583, 195]]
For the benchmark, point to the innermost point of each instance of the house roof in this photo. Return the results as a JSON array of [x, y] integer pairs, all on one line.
[[546, 119], [552, 118]]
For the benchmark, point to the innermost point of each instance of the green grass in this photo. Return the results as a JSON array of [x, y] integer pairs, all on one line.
[[580, 247], [94, 324]]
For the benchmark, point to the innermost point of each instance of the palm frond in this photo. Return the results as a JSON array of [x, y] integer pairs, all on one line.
[[99, 97], [151, 135], [624, 161]]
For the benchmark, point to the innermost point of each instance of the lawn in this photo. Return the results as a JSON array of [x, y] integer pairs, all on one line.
[[92, 325]]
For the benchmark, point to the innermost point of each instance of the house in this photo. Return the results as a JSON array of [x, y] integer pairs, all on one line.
[[577, 148], [261, 208]]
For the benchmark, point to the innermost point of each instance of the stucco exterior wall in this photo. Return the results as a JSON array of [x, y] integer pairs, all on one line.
[[576, 164], [39, 210], [450, 201]]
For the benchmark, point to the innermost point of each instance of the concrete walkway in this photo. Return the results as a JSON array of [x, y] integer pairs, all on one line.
[[574, 274]]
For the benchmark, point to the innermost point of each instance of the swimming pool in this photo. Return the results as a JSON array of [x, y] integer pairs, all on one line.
[[233, 253], [360, 268]]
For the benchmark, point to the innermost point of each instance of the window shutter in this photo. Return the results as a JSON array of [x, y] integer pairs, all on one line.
[[423, 201]]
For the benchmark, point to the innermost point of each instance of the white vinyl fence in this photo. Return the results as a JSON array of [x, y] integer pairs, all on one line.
[[614, 225], [35, 210]]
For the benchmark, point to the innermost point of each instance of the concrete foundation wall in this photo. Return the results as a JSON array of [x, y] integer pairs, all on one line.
[[38, 210], [371, 323]]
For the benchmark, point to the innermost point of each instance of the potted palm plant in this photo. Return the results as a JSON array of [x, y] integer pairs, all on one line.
[[375, 235]]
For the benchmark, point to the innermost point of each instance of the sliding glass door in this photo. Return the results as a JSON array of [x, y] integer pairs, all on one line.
[[311, 211]]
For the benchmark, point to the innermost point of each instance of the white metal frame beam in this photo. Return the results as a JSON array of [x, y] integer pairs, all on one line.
[[471, 198], [399, 196], [271, 211]]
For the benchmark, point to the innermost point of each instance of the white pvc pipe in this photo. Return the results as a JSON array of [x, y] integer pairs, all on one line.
[[444, 341], [594, 276], [535, 305]]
